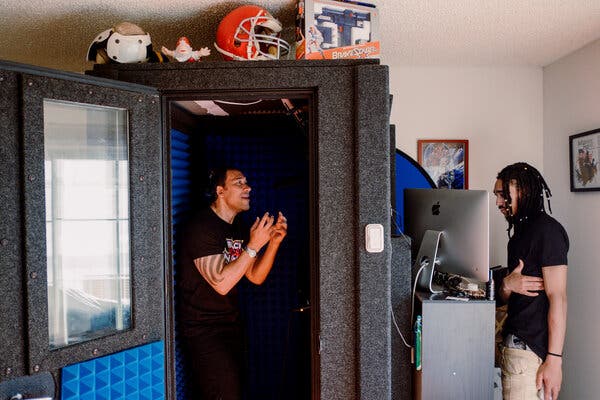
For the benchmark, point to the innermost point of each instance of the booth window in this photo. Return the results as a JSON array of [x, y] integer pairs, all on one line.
[[86, 165]]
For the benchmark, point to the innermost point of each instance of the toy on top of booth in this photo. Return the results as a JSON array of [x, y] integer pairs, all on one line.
[[250, 33], [184, 52], [124, 43], [334, 29]]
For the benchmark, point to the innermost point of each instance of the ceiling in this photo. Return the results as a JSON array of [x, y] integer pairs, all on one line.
[[57, 33], [256, 107]]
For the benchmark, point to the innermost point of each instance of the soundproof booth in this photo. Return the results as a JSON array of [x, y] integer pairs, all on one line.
[[138, 139], [99, 172]]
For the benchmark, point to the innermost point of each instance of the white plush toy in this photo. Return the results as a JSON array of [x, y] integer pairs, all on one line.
[[184, 52]]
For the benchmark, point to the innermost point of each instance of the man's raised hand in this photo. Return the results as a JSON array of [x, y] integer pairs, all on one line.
[[279, 229], [261, 231]]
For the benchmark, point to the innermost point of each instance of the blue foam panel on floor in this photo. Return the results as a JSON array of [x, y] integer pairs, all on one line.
[[133, 374]]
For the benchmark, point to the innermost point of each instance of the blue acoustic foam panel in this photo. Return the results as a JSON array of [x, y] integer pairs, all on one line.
[[277, 333], [180, 204], [133, 374]]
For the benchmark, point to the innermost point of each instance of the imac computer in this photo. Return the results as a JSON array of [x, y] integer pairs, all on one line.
[[450, 229]]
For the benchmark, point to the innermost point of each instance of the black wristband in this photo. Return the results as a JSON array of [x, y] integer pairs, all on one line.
[[555, 355]]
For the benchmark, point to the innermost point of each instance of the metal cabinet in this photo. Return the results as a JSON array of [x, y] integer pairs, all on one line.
[[457, 349]]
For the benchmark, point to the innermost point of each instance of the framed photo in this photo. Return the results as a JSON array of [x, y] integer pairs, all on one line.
[[446, 162], [583, 155]]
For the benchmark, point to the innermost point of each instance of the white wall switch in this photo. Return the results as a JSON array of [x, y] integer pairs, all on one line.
[[374, 238]]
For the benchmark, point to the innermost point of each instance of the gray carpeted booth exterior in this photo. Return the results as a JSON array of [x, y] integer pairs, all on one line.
[[349, 146]]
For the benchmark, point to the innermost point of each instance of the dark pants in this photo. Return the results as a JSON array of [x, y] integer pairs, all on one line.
[[216, 360]]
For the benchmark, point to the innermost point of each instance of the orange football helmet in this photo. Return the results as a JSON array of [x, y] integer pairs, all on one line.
[[250, 33]]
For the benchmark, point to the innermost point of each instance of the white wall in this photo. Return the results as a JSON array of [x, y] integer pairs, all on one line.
[[571, 106], [498, 109]]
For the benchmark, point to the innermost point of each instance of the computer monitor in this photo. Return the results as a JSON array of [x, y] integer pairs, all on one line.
[[451, 227]]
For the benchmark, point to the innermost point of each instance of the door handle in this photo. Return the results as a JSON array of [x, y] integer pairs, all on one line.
[[40, 386], [19, 396]]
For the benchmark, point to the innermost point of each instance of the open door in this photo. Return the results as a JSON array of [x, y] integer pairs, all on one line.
[[268, 139], [81, 223]]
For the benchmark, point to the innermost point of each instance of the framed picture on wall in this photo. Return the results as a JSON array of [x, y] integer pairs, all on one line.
[[584, 153], [446, 161]]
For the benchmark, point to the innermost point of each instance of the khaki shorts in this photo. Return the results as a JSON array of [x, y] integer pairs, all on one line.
[[519, 370]]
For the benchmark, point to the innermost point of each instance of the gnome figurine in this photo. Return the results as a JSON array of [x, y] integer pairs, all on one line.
[[184, 52]]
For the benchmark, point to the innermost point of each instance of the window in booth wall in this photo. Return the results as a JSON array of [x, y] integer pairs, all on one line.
[[87, 221]]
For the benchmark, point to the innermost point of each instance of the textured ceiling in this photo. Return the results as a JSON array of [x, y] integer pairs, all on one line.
[[56, 34]]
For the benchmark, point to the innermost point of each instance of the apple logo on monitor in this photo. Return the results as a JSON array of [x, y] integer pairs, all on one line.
[[435, 209]]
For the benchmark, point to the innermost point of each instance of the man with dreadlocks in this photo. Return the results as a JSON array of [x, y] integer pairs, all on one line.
[[535, 287]]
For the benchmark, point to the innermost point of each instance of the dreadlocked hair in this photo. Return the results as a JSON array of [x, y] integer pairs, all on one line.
[[532, 188]]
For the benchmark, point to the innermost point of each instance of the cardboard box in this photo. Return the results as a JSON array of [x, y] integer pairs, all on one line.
[[330, 29]]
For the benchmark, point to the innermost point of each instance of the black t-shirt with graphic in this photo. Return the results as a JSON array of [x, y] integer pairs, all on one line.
[[541, 242], [200, 307]]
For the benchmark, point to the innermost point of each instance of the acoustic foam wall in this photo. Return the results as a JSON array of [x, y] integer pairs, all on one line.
[[180, 204], [133, 374], [276, 166]]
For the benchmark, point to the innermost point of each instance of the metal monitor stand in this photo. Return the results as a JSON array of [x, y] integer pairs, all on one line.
[[427, 257]]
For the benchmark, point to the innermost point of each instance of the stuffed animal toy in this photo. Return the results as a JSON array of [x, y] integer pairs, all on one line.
[[184, 53], [124, 43]]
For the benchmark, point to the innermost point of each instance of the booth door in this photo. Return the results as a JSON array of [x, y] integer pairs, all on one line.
[[81, 232]]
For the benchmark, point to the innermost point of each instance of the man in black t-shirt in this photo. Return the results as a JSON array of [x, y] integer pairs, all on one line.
[[215, 253], [535, 287]]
